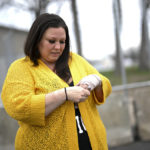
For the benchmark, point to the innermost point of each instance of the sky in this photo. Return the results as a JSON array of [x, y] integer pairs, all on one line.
[[96, 25]]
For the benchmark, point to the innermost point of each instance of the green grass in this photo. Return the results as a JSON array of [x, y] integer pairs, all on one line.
[[134, 74]]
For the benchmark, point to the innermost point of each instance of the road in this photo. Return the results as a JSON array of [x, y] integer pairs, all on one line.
[[134, 146]]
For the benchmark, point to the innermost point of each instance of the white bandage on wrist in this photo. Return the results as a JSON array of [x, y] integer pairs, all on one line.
[[92, 81]]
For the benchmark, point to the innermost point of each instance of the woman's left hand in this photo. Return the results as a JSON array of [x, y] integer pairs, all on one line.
[[90, 82]]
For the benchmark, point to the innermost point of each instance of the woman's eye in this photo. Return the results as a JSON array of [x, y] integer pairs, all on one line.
[[62, 42], [52, 41]]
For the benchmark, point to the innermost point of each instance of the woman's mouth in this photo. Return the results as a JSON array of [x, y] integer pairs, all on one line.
[[55, 53]]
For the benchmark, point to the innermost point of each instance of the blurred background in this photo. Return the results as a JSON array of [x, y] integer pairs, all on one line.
[[113, 35]]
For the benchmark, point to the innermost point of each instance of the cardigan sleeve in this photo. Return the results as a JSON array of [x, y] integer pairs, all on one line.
[[18, 96], [106, 88], [106, 85]]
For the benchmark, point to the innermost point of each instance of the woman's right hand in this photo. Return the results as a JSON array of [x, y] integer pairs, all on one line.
[[77, 93], [54, 99]]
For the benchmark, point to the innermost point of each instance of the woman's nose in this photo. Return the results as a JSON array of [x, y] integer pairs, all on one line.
[[57, 45]]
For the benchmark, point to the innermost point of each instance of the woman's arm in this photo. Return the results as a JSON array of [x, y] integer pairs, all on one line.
[[98, 91], [54, 100], [99, 84], [87, 69], [57, 98]]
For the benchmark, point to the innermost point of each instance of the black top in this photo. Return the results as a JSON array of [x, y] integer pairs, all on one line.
[[83, 138]]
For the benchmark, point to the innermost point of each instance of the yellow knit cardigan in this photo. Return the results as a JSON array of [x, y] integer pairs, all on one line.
[[23, 96]]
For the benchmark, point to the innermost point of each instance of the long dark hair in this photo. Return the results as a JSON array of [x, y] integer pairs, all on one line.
[[38, 28]]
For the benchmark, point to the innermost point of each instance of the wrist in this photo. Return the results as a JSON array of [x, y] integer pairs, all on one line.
[[98, 79], [66, 95]]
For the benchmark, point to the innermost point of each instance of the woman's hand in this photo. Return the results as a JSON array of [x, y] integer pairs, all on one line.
[[93, 82], [77, 93], [90, 82]]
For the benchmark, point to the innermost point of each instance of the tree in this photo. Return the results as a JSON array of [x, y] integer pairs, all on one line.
[[38, 7], [144, 57], [34, 6], [117, 24], [119, 66], [76, 26]]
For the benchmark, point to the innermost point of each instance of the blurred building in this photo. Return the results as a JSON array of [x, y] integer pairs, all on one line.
[[11, 48], [105, 64]]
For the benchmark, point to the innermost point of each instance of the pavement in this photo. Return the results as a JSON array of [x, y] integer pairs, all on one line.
[[139, 145]]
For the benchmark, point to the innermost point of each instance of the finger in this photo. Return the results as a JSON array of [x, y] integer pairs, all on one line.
[[78, 84], [85, 97], [87, 92], [85, 86]]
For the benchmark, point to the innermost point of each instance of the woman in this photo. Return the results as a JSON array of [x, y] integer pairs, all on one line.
[[53, 93]]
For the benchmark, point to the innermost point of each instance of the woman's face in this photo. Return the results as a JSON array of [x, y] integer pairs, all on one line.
[[52, 44]]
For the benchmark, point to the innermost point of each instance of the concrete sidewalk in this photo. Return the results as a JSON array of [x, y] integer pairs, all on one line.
[[139, 145]]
